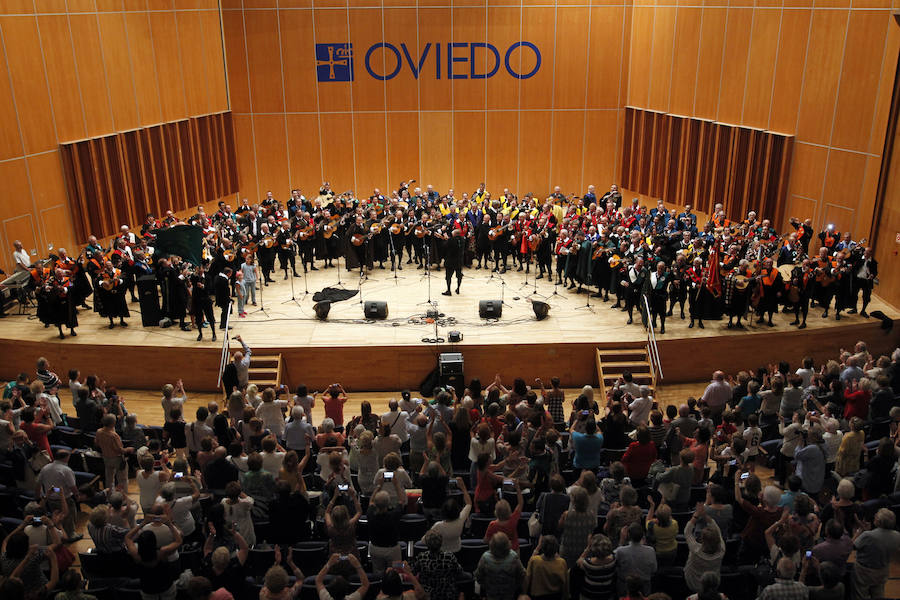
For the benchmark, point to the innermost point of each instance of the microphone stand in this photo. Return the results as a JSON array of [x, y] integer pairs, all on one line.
[[293, 298], [427, 275], [395, 262], [362, 268], [262, 306]]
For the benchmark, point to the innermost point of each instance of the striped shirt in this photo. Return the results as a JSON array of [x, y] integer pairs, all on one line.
[[599, 580]]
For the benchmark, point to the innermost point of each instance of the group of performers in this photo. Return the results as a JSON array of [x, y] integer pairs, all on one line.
[[651, 259]]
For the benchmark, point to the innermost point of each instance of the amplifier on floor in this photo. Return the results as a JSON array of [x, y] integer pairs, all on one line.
[[490, 309], [450, 371], [375, 310]]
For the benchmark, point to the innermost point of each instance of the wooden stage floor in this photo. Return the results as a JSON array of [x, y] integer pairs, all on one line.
[[390, 354]]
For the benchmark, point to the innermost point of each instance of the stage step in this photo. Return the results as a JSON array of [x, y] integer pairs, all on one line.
[[631, 365], [612, 363], [265, 358], [265, 370]]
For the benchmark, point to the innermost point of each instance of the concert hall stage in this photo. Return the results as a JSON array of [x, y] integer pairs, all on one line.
[[391, 354]]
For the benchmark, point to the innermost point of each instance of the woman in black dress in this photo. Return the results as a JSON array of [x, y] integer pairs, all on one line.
[[111, 292]]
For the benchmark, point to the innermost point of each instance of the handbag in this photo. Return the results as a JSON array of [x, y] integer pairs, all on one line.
[[39, 460], [534, 525]]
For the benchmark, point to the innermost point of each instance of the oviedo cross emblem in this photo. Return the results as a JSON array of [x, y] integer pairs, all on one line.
[[334, 62]]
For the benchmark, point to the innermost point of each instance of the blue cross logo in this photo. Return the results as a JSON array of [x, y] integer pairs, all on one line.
[[334, 62]]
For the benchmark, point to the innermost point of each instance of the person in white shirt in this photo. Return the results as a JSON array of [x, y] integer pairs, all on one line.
[[640, 407], [272, 456], [74, 385], [20, 257], [753, 436], [807, 371], [196, 431], [270, 413], [408, 403], [397, 420], [173, 397], [242, 363]]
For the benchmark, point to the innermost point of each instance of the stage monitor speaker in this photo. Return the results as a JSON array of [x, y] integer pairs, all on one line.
[[375, 310], [456, 381], [148, 295], [490, 309], [322, 308], [450, 363], [541, 309]]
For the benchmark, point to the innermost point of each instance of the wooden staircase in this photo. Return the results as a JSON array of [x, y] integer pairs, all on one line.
[[265, 370], [611, 363]]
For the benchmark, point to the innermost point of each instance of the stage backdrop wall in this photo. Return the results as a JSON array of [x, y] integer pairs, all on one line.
[[820, 71], [73, 69], [406, 114]]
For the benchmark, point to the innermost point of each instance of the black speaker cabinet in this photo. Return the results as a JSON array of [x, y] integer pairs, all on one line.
[[490, 309], [375, 310], [148, 295], [450, 363]]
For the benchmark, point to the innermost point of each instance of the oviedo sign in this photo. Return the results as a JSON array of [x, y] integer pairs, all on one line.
[[384, 61]]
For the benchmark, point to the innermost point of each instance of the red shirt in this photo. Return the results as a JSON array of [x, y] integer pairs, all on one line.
[[510, 527], [857, 404], [334, 409], [638, 458], [37, 437]]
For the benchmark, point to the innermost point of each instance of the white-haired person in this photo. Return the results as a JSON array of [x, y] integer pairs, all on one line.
[[760, 518], [874, 549]]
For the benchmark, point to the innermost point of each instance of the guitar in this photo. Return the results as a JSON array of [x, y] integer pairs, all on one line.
[[496, 232], [358, 239], [307, 233]]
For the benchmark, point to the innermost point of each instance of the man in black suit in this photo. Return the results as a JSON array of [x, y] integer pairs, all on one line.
[[865, 270], [223, 294]]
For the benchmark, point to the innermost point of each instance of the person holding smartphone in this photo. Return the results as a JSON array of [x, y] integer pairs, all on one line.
[[337, 589]]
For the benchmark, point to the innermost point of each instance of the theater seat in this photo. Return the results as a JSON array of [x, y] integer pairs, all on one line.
[[470, 553]]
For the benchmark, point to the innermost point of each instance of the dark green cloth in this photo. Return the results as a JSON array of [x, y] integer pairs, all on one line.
[[185, 241]]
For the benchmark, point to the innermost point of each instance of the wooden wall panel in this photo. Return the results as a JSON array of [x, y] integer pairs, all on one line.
[[116, 179], [305, 156], [338, 151], [168, 64], [503, 149], [734, 65], [297, 45], [866, 33], [571, 62], [534, 137], [757, 100], [503, 29], [701, 163], [365, 31], [26, 72], [117, 66], [601, 146], [684, 62], [468, 149], [193, 63], [469, 26], [91, 75], [17, 199], [402, 90], [641, 49], [821, 76], [271, 154], [332, 24], [660, 71], [709, 63], [94, 68], [371, 153], [140, 54], [403, 147], [62, 76], [792, 55], [566, 151], [266, 91], [538, 27], [236, 60], [436, 157], [246, 158]]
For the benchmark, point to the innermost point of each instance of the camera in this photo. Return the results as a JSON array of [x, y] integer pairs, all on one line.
[[36, 521], [388, 475], [179, 475]]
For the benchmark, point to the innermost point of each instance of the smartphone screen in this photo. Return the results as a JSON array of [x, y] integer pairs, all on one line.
[[388, 475], [745, 475], [343, 487]]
